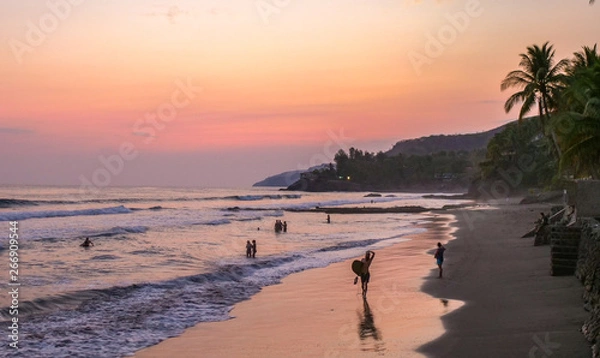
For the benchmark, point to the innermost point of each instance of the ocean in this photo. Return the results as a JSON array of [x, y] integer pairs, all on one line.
[[164, 259]]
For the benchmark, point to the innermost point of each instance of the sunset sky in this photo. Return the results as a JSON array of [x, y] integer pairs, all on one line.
[[224, 93]]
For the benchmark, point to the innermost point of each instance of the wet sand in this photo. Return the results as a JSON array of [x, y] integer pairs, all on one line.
[[320, 313], [512, 306]]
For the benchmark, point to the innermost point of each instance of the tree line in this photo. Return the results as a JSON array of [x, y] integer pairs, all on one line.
[[565, 135], [561, 142]]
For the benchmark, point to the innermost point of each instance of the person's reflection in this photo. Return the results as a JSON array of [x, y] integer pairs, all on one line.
[[367, 329]]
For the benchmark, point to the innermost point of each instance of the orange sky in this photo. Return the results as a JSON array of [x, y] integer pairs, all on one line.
[[92, 74]]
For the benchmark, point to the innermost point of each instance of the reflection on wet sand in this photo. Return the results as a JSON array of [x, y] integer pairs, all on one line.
[[370, 336]]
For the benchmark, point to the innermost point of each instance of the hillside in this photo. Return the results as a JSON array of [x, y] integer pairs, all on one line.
[[419, 146], [282, 180], [438, 143], [286, 178]]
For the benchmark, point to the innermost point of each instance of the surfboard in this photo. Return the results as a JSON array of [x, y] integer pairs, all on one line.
[[530, 233], [357, 267]]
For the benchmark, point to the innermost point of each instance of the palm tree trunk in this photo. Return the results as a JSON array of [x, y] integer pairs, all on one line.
[[546, 122]]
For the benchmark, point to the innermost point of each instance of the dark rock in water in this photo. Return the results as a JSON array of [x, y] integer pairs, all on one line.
[[373, 195], [370, 210], [317, 185], [448, 196]]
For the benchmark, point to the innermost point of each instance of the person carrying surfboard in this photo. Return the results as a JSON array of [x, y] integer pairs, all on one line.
[[365, 275]]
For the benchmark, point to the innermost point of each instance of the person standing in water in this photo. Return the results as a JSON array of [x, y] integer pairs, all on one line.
[[253, 248], [248, 249], [87, 243], [365, 275], [439, 256]]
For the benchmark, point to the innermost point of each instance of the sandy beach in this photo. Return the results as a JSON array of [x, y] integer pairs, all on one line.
[[497, 299], [514, 308]]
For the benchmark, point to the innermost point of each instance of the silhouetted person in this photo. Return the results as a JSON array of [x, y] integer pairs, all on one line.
[[253, 248], [541, 222], [285, 226], [248, 249], [87, 243], [543, 219], [328, 219], [365, 275], [439, 256]]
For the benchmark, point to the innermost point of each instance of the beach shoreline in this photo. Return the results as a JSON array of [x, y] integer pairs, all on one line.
[[319, 313], [497, 298], [514, 308]]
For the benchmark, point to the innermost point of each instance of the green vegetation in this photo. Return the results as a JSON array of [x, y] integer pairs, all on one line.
[[440, 171], [540, 81], [566, 142], [561, 142]]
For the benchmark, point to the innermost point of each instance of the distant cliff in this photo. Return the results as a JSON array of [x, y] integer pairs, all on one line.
[[286, 179], [281, 180], [438, 163], [439, 143]]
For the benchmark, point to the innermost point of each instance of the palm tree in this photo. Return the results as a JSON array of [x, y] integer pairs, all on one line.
[[579, 122], [586, 58], [580, 79], [539, 82], [582, 142]]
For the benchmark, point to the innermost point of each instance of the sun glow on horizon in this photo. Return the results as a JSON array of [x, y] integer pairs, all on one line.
[[281, 78]]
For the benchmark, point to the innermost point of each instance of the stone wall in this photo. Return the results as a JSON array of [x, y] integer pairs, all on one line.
[[585, 195], [588, 272], [564, 248]]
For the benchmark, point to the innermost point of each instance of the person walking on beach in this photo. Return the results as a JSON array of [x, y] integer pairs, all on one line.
[[253, 248], [248, 249], [439, 256], [365, 275]]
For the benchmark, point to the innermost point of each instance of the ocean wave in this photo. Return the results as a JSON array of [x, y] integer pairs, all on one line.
[[15, 202], [263, 196], [8, 203], [314, 204], [122, 231], [216, 222], [150, 312], [105, 257], [349, 245], [157, 207], [23, 215]]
